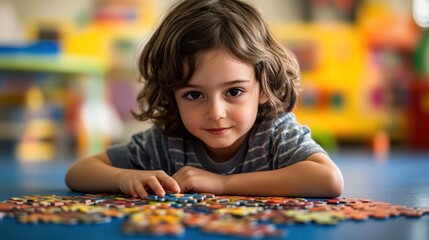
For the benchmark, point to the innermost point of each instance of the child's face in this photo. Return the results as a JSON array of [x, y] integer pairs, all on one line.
[[220, 103]]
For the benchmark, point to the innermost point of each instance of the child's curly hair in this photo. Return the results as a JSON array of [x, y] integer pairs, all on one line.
[[193, 27]]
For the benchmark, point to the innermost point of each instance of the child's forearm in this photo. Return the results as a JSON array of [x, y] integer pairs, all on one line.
[[96, 174], [93, 175], [315, 177]]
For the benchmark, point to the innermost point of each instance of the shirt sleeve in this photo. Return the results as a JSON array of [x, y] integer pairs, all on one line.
[[141, 152], [293, 142]]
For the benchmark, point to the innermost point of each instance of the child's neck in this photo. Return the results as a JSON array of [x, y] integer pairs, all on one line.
[[221, 155]]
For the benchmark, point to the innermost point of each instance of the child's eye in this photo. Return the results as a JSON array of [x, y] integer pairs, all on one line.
[[193, 95], [233, 92]]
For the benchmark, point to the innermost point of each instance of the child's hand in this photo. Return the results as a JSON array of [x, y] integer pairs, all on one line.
[[138, 183], [198, 180]]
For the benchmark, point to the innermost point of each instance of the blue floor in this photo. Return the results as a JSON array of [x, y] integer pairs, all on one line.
[[403, 179]]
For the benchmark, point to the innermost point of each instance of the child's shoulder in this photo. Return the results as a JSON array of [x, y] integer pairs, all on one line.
[[281, 120], [285, 117], [270, 125]]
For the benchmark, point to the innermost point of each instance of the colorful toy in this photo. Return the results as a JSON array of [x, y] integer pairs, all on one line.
[[254, 217]]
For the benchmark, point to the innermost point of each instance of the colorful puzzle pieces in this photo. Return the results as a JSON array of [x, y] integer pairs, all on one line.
[[255, 217]]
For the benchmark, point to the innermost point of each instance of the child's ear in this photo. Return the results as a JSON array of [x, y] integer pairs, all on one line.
[[263, 98]]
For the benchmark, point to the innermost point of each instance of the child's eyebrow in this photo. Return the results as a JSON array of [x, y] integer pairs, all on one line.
[[189, 85]]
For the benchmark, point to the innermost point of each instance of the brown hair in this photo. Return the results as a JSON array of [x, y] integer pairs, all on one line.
[[192, 27]]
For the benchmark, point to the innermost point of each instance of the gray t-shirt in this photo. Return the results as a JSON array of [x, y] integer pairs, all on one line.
[[271, 144]]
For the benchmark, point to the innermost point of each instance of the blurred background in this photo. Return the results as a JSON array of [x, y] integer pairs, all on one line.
[[68, 77]]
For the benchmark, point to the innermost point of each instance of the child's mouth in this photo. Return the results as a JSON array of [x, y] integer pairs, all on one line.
[[218, 131]]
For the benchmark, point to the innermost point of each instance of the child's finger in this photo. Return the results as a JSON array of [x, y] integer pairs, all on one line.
[[139, 189], [178, 176], [133, 192], [156, 186], [170, 184]]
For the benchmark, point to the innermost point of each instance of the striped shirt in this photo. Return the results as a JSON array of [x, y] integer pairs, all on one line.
[[271, 144]]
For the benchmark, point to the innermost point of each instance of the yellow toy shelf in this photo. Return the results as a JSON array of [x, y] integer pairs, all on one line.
[[337, 81]]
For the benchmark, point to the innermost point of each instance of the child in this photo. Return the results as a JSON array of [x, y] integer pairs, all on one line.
[[219, 90]]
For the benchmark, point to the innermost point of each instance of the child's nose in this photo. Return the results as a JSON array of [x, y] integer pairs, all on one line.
[[216, 110]]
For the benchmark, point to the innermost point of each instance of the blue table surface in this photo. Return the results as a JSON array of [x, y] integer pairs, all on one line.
[[403, 179]]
